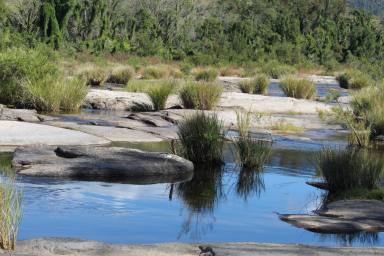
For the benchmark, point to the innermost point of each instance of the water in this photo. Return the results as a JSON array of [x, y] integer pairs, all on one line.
[[323, 90], [218, 205]]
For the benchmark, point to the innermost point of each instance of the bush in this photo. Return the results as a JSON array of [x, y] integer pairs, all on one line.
[[19, 66], [95, 76], [29, 79], [276, 70], [298, 88], [159, 94], [348, 169], [155, 72], [200, 95], [121, 75], [246, 86], [201, 138], [208, 75]]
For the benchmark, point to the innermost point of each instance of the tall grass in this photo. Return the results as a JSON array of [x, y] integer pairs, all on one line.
[[139, 85], [298, 88], [121, 75], [11, 212], [205, 74], [200, 95], [201, 138], [95, 75], [348, 169], [156, 72], [232, 71], [257, 85], [354, 79], [251, 153], [159, 94], [276, 70]]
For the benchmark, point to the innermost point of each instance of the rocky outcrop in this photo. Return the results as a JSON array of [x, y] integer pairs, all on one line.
[[347, 216], [25, 115], [101, 163], [15, 133]]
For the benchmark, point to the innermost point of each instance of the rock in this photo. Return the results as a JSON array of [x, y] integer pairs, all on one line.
[[270, 104], [25, 115], [120, 100], [15, 133], [318, 184], [101, 163], [155, 120], [345, 216], [68, 246], [114, 134]]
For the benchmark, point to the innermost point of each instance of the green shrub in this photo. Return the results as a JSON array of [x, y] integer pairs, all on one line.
[[95, 76], [347, 169], [208, 75], [298, 88], [159, 94], [121, 75], [201, 138], [200, 95], [19, 66], [276, 70], [155, 72]]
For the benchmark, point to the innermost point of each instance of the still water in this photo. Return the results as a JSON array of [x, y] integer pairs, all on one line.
[[219, 205]]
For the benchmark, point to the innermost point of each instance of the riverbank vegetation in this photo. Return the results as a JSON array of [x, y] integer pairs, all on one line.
[[200, 95], [298, 88], [351, 170]]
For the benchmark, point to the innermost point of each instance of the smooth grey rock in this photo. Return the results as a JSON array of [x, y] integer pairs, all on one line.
[[344, 216], [71, 247], [25, 115], [154, 120], [15, 133], [101, 163]]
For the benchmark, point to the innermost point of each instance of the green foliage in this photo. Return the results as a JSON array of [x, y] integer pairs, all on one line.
[[343, 80], [348, 169], [208, 74], [246, 86], [159, 94], [201, 138], [200, 95], [138, 85], [121, 75], [276, 70], [261, 83], [298, 88], [354, 79]]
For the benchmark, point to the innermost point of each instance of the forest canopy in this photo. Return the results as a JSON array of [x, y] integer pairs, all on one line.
[[202, 31]]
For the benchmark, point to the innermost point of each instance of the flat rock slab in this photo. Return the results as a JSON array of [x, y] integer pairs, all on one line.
[[121, 100], [270, 104], [346, 216], [101, 163], [70, 247], [14, 133]]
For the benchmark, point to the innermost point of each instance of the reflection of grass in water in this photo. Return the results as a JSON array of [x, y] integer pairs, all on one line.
[[250, 182], [5, 162], [363, 238]]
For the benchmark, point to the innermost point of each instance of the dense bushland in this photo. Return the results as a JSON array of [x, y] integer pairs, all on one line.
[[287, 32]]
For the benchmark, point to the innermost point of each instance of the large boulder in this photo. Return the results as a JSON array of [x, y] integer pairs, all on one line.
[[346, 216], [101, 163]]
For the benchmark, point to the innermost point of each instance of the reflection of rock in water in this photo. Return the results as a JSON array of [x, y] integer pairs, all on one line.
[[200, 196], [250, 182], [353, 239]]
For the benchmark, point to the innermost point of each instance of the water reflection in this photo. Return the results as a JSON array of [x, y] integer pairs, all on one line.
[[353, 239], [250, 182]]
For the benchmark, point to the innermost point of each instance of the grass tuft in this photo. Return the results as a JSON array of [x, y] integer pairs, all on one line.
[[200, 95], [156, 72], [159, 94], [298, 88], [205, 74], [121, 75], [201, 138], [95, 76]]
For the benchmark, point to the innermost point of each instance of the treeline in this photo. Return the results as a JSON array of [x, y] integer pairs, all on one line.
[[205, 32]]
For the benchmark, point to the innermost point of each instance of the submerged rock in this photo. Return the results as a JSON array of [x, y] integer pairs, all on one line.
[[346, 216], [101, 163]]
